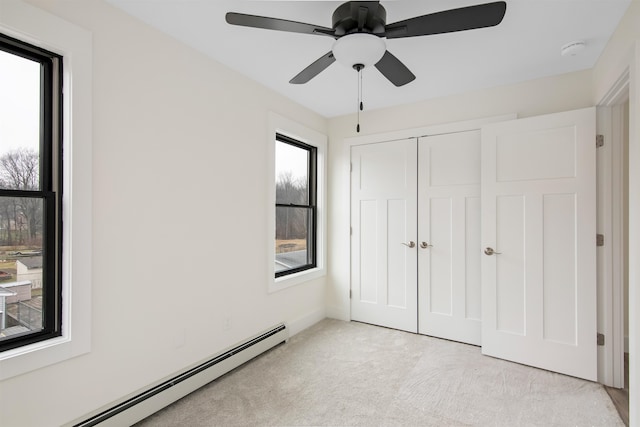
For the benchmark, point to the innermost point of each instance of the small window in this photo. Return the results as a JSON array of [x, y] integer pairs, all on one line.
[[296, 212], [30, 204]]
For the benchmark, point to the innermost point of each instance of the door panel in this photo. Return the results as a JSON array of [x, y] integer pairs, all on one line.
[[559, 268], [525, 156], [538, 214], [440, 295], [383, 222], [473, 306], [449, 221], [368, 234], [397, 254], [510, 283]]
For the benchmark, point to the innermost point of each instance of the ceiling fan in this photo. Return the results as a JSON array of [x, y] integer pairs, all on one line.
[[360, 28]]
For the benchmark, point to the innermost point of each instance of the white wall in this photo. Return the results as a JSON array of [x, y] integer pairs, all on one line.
[[548, 95], [179, 189]]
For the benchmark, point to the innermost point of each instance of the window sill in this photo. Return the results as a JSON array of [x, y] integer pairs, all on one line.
[[290, 280]]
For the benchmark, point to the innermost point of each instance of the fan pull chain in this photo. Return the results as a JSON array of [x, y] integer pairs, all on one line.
[[359, 68], [361, 104]]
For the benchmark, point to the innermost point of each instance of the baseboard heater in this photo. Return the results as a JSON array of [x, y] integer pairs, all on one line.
[[141, 405]]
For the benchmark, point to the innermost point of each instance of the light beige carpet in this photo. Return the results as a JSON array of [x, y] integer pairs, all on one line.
[[351, 374]]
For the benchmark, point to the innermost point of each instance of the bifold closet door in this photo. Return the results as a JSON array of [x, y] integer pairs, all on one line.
[[539, 235], [383, 234], [449, 285]]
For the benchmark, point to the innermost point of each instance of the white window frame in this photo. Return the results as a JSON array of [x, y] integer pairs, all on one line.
[[281, 125], [39, 28]]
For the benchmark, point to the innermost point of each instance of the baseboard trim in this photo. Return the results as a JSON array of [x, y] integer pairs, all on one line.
[[146, 401], [301, 323], [338, 313]]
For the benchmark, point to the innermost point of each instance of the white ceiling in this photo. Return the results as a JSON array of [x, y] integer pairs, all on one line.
[[526, 45]]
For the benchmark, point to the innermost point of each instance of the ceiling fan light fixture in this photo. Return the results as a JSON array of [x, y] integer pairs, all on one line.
[[359, 48]]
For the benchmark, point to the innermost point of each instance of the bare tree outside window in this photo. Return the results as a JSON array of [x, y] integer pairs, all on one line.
[[20, 218], [20, 169], [291, 226]]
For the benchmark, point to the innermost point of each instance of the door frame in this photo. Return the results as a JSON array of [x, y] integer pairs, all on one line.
[[407, 134], [613, 255]]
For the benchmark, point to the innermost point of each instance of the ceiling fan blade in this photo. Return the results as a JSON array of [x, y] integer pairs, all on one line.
[[276, 24], [314, 69], [394, 70], [449, 21]]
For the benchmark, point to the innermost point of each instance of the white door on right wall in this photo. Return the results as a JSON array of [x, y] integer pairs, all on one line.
[[538, 236]]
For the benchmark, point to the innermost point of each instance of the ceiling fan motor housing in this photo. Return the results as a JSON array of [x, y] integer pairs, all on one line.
[[359, 16]]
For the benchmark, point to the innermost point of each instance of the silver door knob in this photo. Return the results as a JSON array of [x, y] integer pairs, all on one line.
[[411, 244], [425, 245], [490, 251]]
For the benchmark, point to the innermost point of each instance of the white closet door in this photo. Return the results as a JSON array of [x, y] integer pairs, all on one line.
[[539, 214], [383, 240], [449, 290]]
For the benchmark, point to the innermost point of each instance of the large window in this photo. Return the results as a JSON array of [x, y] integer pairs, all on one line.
[[296, 213], [30, 200], [66, 268]]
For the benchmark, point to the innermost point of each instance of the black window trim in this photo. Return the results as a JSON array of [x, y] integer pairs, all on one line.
[[312, 168], [51, 87]]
